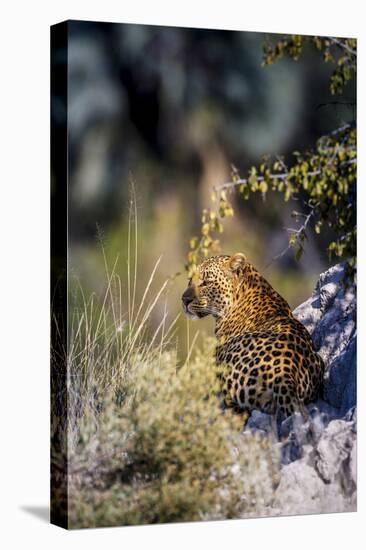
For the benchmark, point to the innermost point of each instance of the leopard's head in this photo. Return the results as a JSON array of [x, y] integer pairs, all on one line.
[[211, 290]]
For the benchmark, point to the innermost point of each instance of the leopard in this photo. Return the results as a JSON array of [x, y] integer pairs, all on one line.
[[267, 356]]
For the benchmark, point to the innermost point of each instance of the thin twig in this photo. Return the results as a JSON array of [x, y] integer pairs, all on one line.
[[349, 161], [280, 160], [341, 129], [297, 232], [332, 103], [343, 45]]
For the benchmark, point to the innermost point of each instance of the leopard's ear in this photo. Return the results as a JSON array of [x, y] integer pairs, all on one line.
[[237, 263]]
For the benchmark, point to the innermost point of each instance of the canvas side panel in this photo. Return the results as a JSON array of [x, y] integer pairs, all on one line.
[[59, 195]]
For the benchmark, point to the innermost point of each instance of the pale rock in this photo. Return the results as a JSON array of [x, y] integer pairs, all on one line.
[[318, 456]]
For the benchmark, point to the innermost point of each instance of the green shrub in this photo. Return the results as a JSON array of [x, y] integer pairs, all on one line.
[[168, 453]]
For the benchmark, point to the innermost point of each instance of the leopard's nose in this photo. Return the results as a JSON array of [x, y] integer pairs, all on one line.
[[188, 296]]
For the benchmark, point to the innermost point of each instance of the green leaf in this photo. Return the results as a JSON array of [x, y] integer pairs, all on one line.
[[318, 227], [299, 253], [263, 187]]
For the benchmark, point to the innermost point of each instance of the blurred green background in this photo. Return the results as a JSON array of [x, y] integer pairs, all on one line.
[[173, 109]]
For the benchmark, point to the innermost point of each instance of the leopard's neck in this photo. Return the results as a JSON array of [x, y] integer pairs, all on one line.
[[254, 308]]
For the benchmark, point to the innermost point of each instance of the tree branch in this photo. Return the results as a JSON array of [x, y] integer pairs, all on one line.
[[298, 232], [243, 181], [343, 45], [281, 176]]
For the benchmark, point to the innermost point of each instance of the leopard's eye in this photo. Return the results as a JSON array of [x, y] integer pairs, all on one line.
[[206, 282]]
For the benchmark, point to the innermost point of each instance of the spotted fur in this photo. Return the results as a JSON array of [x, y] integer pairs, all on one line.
[[268, 356]]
